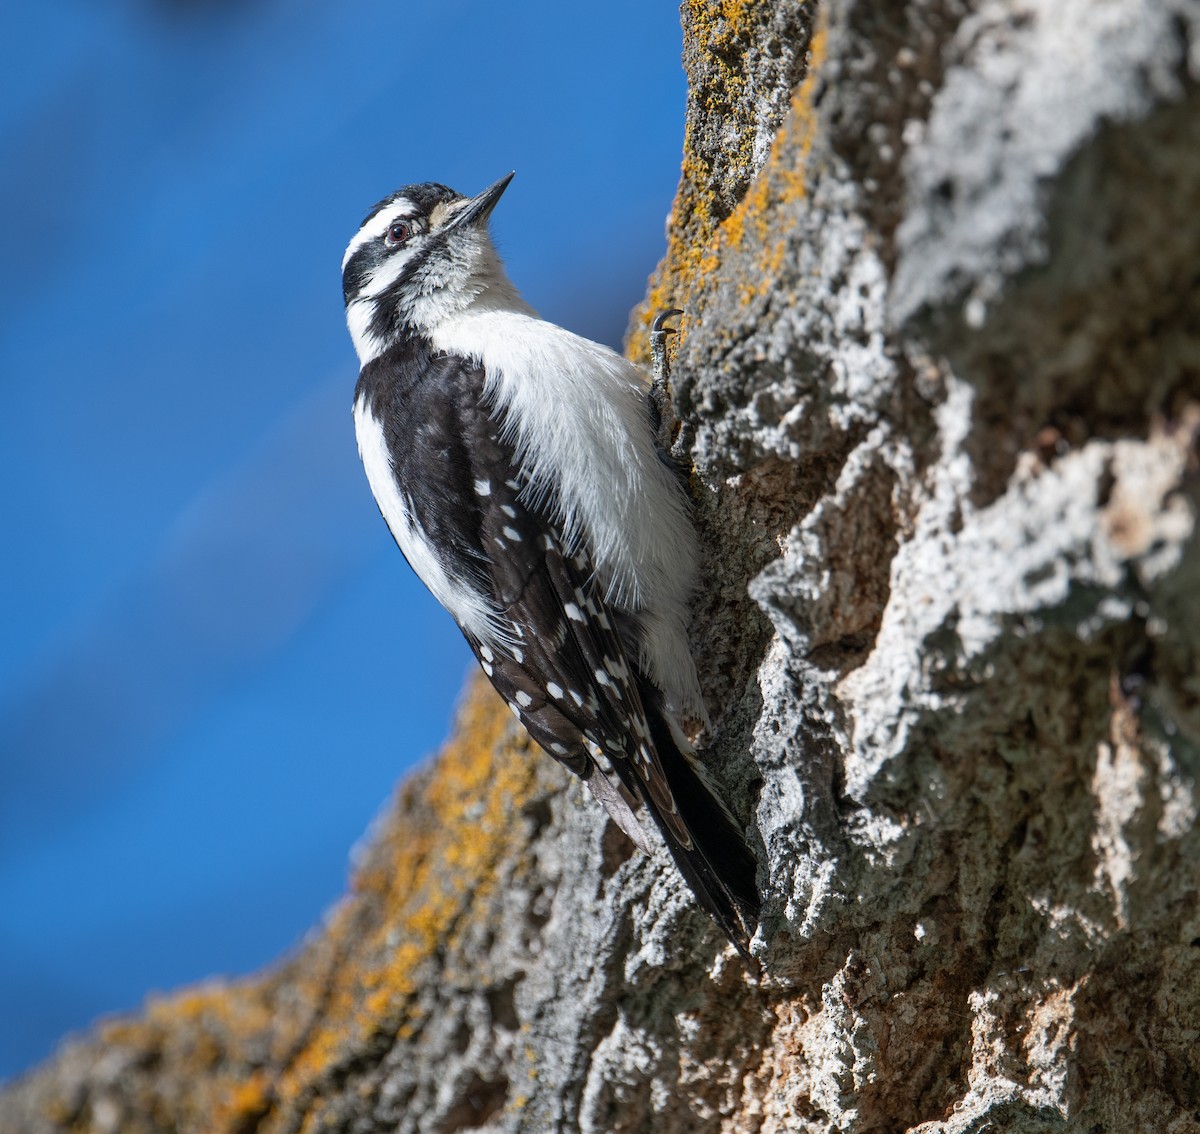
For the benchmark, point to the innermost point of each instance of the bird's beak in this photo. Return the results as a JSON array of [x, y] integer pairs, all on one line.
[[478, 209]]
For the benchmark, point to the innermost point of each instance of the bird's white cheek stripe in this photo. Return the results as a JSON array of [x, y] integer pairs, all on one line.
[[377, 226], [386, 274], [469, 609]]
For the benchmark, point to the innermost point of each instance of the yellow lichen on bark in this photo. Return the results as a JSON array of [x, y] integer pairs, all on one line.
[[425, 877], [243, 1052], [697, 239]]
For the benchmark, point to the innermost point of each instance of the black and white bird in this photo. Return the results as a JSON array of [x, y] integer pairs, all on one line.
[[517, 468]]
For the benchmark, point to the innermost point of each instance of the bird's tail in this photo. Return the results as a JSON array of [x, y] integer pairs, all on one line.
[[710, 850]]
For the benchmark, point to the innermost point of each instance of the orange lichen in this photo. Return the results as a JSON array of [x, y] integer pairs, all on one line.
[[242, 1105], [428, 873], [782, 180], [425, 879], [698, 239], [803, 118]]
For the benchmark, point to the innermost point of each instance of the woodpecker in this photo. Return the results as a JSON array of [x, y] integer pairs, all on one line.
[[517, 468]]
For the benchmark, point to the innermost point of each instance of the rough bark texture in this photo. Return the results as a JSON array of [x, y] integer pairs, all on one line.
[[940, 380]]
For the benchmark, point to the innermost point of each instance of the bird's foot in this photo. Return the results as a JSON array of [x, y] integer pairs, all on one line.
[[662, 412]]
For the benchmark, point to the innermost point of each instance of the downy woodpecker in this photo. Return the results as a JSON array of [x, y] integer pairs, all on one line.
[[516, 466]]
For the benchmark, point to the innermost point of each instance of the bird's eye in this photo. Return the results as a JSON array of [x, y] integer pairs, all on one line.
[[399, 232]]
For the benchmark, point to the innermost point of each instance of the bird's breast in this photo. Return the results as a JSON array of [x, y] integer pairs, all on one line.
[[575, 412]]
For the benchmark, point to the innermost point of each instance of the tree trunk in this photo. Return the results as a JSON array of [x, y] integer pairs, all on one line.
[[939, 379]]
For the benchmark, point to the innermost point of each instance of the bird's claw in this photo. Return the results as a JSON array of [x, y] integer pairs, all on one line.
[[658, 328], [658, 347]]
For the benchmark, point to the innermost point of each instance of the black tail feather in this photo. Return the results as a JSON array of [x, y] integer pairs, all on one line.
[[719, 866]]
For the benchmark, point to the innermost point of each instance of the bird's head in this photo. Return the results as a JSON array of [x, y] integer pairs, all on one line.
[[421, 256]]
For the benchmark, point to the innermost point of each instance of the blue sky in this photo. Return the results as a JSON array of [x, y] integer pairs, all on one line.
[[214, 663]]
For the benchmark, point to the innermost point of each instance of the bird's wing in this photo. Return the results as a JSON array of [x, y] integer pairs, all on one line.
[[555, 655]]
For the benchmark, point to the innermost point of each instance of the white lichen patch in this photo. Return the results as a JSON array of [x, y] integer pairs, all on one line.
[[966, 576]]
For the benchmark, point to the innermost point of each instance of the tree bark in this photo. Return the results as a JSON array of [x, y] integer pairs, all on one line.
[[939, 379]]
